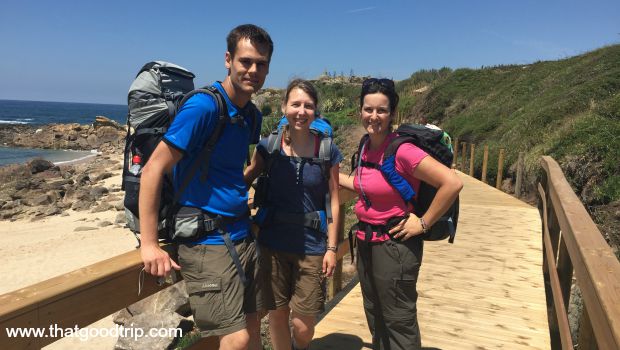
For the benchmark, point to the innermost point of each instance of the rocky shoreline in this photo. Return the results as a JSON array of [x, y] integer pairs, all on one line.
[[39, 188]]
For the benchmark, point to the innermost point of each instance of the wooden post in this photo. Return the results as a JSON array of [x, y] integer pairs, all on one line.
[[586, 341], [463, 149], [456, 152], [519, 176], [485, 160], [500, 169], [471, 160]]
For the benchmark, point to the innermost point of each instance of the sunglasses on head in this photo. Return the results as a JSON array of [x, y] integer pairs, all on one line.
[[386, 83]]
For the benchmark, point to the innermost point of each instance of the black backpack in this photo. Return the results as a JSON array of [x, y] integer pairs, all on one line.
[[437, 144], [158, 91]]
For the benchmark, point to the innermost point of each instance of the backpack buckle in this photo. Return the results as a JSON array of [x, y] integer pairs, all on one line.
[[210, 223]]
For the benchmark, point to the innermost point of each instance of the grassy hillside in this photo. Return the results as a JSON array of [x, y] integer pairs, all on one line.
[[568, 109]]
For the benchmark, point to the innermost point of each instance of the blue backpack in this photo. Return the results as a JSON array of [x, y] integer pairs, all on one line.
[[316, 220], [437, 144]]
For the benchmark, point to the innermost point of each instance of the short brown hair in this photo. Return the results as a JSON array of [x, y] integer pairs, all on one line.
[[257, 36]]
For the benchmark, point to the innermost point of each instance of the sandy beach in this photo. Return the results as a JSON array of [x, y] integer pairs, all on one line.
[[39, 250]]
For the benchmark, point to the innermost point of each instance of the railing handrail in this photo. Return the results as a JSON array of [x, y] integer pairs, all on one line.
[[91, 293], [596, 268]]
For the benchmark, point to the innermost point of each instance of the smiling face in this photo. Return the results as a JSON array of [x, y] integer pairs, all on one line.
[[300, 109], [376, 116], [248, 68]]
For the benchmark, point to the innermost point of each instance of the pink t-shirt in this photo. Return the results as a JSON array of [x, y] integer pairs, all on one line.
[[386, 202]]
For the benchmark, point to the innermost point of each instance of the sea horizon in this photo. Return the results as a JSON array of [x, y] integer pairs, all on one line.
[[35, 113], [24, 112]]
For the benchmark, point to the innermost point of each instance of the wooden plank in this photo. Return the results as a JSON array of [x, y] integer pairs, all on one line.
[[596, 267], [484, 292], [77, 298]]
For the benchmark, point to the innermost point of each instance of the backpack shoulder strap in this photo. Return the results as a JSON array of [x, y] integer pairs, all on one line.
[[274, 145], [356, 156], [255, 126], [202, 161], [391, 175], [324, 158]]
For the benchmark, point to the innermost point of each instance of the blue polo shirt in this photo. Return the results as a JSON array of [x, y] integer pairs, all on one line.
[[224, 192]]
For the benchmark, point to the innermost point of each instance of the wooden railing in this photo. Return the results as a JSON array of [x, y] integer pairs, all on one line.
[[91, 293], [573, 245]]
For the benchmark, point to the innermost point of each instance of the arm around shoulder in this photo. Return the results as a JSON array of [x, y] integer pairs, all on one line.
[[251, 172]]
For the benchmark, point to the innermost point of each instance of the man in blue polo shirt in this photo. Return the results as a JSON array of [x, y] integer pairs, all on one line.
[[222, 305]]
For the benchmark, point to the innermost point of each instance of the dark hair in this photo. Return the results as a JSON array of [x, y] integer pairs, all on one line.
[[257, 35], [306, 87], [383, 86]]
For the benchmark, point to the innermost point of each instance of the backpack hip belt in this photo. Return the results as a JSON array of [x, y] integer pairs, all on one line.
[[209, 224], [314, 220], [368, 229]]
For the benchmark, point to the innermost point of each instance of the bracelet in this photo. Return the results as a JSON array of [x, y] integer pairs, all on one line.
[[423, 224], [333, 248]]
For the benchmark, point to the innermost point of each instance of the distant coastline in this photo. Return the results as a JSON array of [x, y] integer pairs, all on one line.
[[20, 118]]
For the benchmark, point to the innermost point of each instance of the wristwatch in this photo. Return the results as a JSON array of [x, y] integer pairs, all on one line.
[[333, 248]]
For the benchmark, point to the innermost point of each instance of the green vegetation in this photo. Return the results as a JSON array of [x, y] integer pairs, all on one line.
[[568, 109]]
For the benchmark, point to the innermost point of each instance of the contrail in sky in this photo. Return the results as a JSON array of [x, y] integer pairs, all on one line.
[[362, 9]]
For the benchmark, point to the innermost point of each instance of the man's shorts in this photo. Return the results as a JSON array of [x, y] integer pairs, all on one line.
[[217, 297], [293, 280]]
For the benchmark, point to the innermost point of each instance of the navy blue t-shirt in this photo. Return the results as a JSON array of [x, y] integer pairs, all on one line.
[[224, 192], [295, 189]]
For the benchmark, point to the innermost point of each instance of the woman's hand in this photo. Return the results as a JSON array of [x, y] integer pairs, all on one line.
[[329, 263], [408, 227]]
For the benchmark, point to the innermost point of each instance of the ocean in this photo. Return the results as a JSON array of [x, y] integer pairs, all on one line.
[[41, 113]]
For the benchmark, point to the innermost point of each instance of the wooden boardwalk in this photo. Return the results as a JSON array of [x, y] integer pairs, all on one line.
[[484, 292]]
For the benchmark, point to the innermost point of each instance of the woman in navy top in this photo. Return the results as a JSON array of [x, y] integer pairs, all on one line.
[[295, 257]]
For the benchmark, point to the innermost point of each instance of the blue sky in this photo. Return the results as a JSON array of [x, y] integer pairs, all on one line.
[[89, 51]]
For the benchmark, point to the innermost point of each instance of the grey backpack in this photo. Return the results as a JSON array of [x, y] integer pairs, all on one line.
[[157, 92]]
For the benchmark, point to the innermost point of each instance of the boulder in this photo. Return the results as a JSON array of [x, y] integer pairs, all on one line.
[[82, 179], [102, 207], [81, 205], [33, 199], [120, 218], [173, 299], [39, 165], [97, 192], [84, 228], [102, 176], [148, 321], [160, 310], [104, 121], [58, 185], [92, 141], [104, 223]]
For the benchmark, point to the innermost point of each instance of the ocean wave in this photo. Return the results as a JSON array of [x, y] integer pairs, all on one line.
[[75, 160], [19, 122]]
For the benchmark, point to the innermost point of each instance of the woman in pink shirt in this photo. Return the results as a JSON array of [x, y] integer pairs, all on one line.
[[389, 245]]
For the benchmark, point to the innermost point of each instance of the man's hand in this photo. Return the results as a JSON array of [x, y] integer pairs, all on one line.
[[156, 261]]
